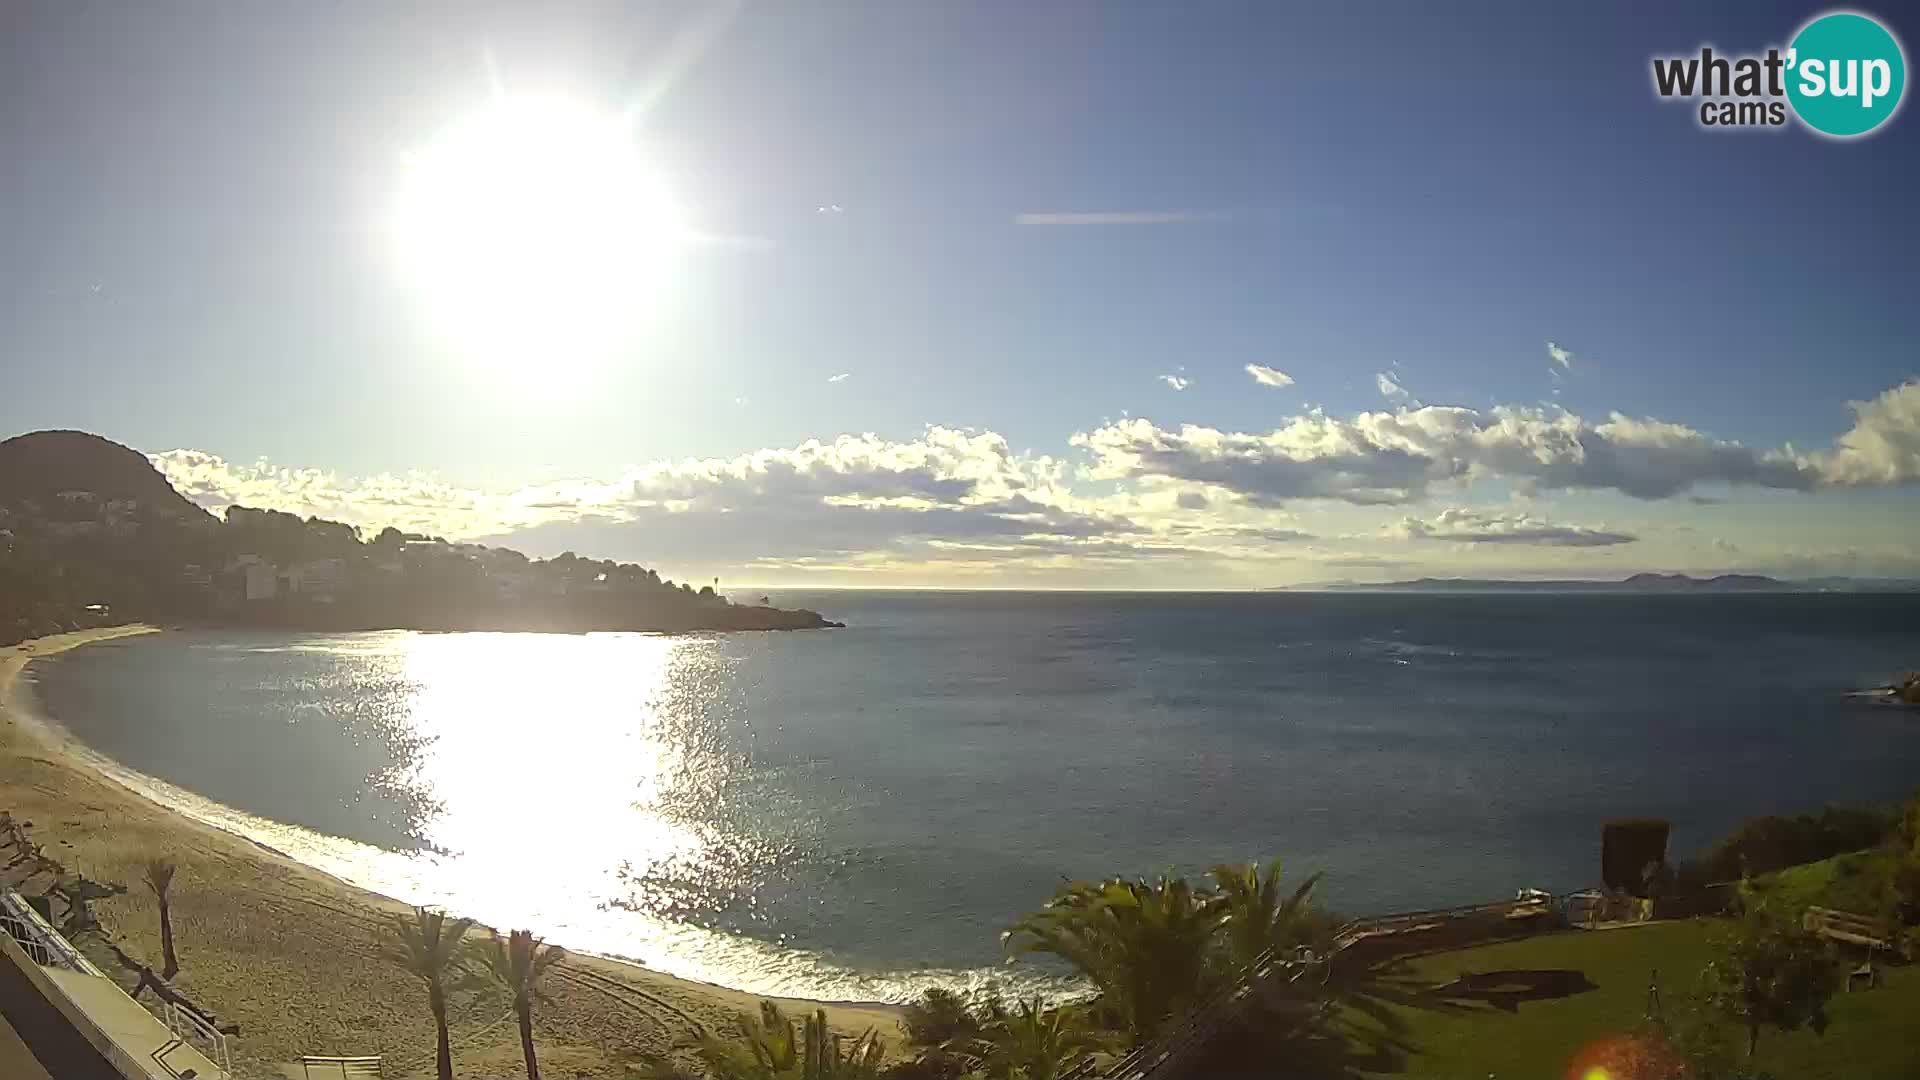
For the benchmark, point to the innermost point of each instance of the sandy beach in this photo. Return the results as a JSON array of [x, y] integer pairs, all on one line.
[[294, 956]]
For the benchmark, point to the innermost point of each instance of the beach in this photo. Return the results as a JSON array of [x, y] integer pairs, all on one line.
[[295, 957]]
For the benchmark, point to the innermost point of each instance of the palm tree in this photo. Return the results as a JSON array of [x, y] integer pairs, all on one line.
[[1032, 1042], [772, 1049], [939, 1017], [431, 948], [1257, 917], [159, 878], [517, 963], [1147, 946]]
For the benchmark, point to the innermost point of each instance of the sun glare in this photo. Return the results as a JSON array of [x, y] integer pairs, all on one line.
[[536, 235]]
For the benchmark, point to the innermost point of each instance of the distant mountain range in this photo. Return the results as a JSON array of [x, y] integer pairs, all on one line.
[[1644, 583]]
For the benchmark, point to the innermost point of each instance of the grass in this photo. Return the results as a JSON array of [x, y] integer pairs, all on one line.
[[1854, 882], [1568, 991]]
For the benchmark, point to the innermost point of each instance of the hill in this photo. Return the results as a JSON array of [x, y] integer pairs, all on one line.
[[90, 531], [38, 467]]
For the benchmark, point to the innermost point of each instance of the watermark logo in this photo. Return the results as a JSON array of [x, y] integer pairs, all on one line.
[[1843, 75]]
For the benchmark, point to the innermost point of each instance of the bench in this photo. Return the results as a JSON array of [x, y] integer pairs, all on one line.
[[1850, 929]]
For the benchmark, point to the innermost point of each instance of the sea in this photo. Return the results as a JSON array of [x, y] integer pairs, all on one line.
[[857, 814]]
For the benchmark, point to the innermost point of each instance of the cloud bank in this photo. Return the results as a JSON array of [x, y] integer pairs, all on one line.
[[1397, 457], [1465, 526], [1316, 490]]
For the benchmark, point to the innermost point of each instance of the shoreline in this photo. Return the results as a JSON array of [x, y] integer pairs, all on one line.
[[325, 989]]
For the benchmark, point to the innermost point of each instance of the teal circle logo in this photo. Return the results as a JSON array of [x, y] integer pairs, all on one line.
[[1845, 74]]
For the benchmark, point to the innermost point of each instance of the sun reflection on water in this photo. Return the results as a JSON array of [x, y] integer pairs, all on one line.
[[599, 790], [544, 779]]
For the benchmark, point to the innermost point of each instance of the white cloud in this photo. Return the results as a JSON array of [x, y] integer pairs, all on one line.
[[1178, 382], [1561, 356], [1883, 446], [853, 494], [1267, 376], [1389, 389], [963, 502], [1396, 457], [1465, 526], [842, 377]]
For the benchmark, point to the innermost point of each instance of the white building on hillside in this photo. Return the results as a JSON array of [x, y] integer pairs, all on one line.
[[319, 579], [262, 581]]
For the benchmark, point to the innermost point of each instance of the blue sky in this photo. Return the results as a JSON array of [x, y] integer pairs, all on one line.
[[195, 212]]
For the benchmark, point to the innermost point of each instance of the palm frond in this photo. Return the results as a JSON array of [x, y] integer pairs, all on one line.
[[159, 877]]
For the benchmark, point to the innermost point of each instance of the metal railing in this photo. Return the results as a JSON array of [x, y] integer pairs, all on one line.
[[24, 934], [347, 1068], [194, 1028], [37, 938], [47, 947]]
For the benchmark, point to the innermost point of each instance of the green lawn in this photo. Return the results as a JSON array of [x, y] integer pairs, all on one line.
[[1853, 882], [1584, 987]]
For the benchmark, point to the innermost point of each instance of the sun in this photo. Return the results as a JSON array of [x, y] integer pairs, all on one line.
[[536, 236]]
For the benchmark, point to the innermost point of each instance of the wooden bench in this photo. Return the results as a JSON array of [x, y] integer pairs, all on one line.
[[1849, 929]]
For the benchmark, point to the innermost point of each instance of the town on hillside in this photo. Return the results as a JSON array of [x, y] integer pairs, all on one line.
[[121, 544]]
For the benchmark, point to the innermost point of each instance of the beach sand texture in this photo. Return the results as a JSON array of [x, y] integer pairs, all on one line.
[[295, 957]]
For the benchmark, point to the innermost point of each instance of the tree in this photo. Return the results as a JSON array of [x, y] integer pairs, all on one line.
[[1032, 1043], [771, 1048], [941, 1016], [517, 962], [1257, 916], [1147, 946], [1772, 973], [431, 947], [159, 879]]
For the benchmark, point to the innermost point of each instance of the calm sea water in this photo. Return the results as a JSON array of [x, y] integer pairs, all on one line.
[[849, 814]]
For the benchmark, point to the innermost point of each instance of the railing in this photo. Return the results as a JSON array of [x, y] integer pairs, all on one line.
[[39, 940], [192, 1027], [47, 947], [1401, 920]]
